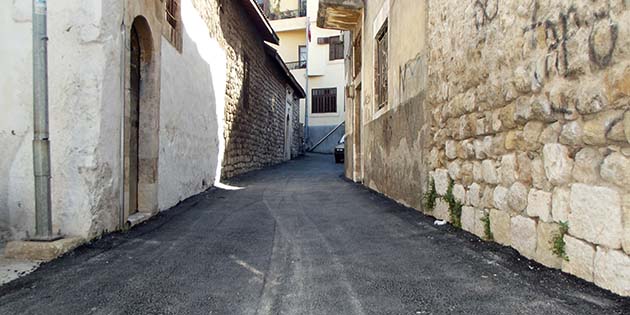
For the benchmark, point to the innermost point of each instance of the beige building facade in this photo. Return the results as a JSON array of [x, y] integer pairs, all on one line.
[[319, 61], [151, 102], [509, 119]]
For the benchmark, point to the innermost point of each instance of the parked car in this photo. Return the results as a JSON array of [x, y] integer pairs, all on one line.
[[340, 150]]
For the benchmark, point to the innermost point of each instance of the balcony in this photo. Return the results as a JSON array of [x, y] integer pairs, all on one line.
[[296, 65], [339, 14], [289, 14]]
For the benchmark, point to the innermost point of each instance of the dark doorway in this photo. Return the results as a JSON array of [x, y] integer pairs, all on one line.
[[134, 119], [358, 169]]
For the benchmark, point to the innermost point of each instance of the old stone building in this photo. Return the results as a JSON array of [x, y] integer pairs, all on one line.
[[262, 98], [510, 119], [151, 102], [315, 57]]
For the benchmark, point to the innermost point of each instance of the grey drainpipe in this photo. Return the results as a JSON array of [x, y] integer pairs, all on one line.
[[41, 144], [123, 49]]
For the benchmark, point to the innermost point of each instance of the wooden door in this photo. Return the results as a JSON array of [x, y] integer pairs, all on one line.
[[134, 119]]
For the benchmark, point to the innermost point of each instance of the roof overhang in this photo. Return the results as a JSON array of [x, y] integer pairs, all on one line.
[[339, 14], [275, 57], [260, 21]]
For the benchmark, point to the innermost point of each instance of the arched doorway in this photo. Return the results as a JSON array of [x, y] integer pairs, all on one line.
[[135, 78], [141, 122]]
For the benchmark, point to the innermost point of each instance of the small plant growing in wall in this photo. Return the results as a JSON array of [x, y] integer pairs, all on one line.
[[454, 206], [487, 231], [557, 242], [430, 197]]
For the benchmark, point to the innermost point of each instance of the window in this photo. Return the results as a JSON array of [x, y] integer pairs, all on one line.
[[335, 48], [356, 55], [302, 8], [173, 25], [381, 67], [324, 101], [302, 53]]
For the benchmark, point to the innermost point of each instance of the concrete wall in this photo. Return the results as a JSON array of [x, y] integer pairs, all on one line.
[[290, 41], [318, 133], [524, 106]]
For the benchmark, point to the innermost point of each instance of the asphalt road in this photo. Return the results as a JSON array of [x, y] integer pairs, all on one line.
[[298, 239]]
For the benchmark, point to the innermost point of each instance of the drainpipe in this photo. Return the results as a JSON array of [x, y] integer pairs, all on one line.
[[41, 144], [307, 99], [123, 99]]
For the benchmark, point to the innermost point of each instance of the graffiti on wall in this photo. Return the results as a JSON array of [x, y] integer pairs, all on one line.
[[558, 32], [485, 12]]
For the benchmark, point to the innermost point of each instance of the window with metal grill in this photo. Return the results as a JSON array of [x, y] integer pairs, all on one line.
[[172, 16], [302, 7], [303, 54], [381, 67], [324, 101]]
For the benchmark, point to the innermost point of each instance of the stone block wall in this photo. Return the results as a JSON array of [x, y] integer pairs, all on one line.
[[255, 113], [529, 107]]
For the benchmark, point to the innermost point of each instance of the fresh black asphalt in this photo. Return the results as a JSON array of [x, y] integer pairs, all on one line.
[[298, 239]]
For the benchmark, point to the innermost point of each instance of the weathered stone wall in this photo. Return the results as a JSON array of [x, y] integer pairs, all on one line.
[[392, 138], [530, 117], [297, 145], [255, 114]]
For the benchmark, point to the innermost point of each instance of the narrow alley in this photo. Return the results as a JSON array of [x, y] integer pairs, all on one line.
[[298, 239]]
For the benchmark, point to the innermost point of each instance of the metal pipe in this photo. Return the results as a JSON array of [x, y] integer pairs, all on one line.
[[306, 101], [123, 53], [41, 144]]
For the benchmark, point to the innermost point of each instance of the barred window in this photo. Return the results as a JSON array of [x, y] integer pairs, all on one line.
[[303, 54], [324, 101], [172, 14], [302, 7], [381, 87]]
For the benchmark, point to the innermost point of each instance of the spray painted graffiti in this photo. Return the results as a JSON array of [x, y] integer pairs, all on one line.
[[602, 60], [485, 12], [558, 32]]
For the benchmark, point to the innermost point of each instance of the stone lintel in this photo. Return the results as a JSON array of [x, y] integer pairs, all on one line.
[[339, 14]]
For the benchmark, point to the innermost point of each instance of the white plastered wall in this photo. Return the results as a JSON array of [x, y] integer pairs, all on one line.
[[87, 68], [84, 76], [192, 97]]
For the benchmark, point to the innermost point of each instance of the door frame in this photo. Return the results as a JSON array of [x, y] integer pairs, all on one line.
[[148, 136]]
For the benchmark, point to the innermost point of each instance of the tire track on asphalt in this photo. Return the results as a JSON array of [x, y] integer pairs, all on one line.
[[282, 248]]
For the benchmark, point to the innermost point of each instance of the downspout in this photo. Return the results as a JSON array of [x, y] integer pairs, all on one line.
[[123, 50], [41, 143], [307, 99]]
